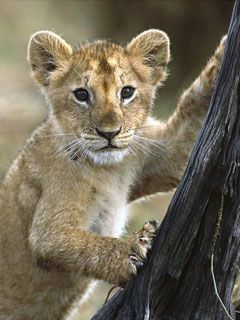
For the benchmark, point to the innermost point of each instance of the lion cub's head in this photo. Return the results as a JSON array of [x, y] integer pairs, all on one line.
[[100, 94]]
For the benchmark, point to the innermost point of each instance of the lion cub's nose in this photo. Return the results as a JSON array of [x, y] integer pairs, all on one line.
[[109, 135]]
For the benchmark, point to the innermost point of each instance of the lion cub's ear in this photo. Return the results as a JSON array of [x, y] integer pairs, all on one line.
[[47, 52], [152, 48]]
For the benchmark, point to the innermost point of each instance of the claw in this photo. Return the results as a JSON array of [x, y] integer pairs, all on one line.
[[136, 261], [155, 223], [143, 241], [133, 258]]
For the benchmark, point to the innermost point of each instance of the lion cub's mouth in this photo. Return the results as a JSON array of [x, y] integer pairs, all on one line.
[[108, 147], [99, 151]]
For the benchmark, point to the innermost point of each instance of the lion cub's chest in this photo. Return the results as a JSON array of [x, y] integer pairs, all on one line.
[[108, 211], [110, 222]]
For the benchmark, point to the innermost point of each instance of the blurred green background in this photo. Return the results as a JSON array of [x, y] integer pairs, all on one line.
[[194, 28]]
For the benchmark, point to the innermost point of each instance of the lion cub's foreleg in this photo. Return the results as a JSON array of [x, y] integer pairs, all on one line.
[[194, 102], [164, 166], [76, 250]]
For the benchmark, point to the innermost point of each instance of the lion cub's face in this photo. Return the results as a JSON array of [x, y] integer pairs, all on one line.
[[100, 94]]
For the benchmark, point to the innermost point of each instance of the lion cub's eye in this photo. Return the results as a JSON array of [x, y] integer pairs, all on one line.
[[127, 92], [81, 94]]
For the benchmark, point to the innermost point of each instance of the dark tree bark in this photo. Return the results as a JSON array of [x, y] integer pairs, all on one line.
[[202, 224]]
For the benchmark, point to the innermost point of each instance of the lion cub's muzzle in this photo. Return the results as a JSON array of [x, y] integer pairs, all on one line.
[[109, 135]]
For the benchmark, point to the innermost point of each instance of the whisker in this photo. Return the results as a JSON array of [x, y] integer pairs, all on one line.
[[83, 150], [127, 135], [87, 153], [80, 150], [67, 148], [139, 147], [146, 127], [91, 137], [155, 143], [145, 148], [69, 145], [133, 150], [59, 135]]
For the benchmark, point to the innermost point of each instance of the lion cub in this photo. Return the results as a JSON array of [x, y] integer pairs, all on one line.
[[63, 201]]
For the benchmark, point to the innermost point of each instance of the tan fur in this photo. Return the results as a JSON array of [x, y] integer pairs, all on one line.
[[62, 205]]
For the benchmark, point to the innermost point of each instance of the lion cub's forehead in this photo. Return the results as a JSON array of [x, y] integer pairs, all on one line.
[[103, 58]]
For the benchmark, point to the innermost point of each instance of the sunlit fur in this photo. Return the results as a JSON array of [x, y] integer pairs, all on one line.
[[107, 157], [63, 202], [103, 69]]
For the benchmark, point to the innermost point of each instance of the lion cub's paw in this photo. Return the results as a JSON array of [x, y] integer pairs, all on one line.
[[138, 246], [141, 242]]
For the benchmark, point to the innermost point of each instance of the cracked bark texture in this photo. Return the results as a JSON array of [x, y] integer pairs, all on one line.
[[176, 283]]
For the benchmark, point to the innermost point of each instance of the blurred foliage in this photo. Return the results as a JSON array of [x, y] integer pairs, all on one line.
[[194, 27]]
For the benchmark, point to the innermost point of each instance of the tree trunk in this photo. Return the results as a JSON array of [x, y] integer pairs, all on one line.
[[202, 226]]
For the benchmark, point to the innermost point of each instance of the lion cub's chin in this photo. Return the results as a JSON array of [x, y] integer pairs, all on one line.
[[108, 157]]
